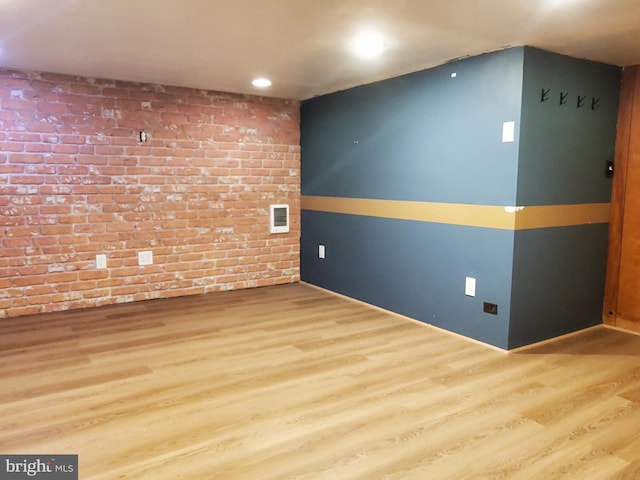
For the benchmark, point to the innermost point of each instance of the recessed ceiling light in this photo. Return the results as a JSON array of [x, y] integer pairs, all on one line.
[[368, 44], [261, 82], [558, 3]]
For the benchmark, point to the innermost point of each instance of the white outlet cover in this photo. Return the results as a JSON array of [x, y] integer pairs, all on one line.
[[470, 287], [321, 251], [145, 258], [101, 261]]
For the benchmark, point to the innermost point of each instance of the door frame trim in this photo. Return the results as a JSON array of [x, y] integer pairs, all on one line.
[[629, 86]]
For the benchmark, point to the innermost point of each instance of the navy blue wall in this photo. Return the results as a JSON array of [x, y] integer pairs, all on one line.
[[416, 269], [564, 149], [428, 137], [558, 282], [434, 137], [559, 273], [424, 136]]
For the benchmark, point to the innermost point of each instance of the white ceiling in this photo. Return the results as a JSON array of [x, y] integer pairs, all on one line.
[[302, 45]]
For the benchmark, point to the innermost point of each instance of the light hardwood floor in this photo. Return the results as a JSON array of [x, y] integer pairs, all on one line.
[[291, 382]]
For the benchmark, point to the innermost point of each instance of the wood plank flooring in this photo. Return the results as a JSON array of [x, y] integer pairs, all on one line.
[[291, 382]]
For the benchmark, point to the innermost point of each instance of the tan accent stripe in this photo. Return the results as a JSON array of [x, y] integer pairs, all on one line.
[[487, 216], [545, 216], [451, 213]]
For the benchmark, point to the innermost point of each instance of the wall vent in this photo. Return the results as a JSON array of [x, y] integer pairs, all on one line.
[[279, 218]]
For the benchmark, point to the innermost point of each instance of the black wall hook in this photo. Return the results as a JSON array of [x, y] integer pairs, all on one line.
[[595, 103], [581, 101], [563, 97], [544, 95]]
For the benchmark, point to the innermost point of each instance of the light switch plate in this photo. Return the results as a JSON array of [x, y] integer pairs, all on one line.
[[145, 258], [470, 287], [508, 132], [320, 251]]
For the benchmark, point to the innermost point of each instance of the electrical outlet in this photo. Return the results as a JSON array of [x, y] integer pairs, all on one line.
[[101, 261], [321, 251], [145, 258], [491, 308]]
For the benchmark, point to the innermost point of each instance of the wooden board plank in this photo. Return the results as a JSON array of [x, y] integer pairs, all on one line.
[[294, 382]]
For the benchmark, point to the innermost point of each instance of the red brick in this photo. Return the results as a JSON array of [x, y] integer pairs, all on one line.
[[12, 169], [72, 170], [109, 282], [52, 248], [62, 277], [21, 231], [19, 311], [74, 219], [72, 239], [12, 146], [55, 209], [56, 229], [26, 179], [96, 188], [26, 281], [41, 290], [108, 150], [88, 150], [54, 108], [40, 170], [38, 148], [82, 286], [124, 290], [93, 275], [89, 228], [25, 158]]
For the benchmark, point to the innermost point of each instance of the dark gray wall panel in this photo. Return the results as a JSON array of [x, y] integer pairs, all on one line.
[[564, 149], [414, 268], [558, 282], [424, 136]]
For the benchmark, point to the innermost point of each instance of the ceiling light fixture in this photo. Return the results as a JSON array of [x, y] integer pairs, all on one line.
[[261, 82], [368, 44]]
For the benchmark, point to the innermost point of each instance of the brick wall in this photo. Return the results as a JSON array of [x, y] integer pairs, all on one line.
[[76, 181]]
